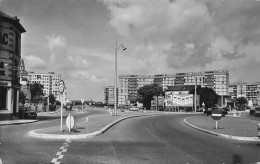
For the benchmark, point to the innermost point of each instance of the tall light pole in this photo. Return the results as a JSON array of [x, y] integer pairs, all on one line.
[[115, 90], [195, 93]]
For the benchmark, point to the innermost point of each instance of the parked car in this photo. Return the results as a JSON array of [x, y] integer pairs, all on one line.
[[251, 110], [209, 111], [134, 108], [257, 111], [29, 114]]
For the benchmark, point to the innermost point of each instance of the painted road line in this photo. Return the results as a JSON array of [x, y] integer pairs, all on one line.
[[63, 149]]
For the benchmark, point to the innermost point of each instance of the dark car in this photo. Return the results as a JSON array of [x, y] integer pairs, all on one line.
[[29, 114], [26, 113], [209, 111], [257, 111]]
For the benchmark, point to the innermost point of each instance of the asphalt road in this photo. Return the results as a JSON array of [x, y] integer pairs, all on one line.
[[16, 147], [156, 139], [160, 139]]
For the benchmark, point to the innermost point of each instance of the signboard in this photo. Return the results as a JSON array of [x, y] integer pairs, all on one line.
[[70, 122], [216, 114], [7, 39], [61, 86], [179, 100]]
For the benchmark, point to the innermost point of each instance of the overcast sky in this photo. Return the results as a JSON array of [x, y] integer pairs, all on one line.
[[76, 38]]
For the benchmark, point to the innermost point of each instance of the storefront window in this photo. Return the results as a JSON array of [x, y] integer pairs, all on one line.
[[3, 95]]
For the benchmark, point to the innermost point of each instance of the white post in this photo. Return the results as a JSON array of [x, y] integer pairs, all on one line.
[[61, 116], [216, 124]]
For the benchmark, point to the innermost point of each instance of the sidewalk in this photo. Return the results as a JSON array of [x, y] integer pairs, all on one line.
[[232, 127]]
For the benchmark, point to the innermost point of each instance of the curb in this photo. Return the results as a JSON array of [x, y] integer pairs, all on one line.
[[221, 135], [21, 122]]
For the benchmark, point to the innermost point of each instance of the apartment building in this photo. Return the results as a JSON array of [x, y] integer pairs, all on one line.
[[128, 85], [49, 81], [109, 95], [249, 90]]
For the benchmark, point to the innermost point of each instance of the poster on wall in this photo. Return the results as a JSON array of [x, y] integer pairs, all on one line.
[[180, 100], [7, 39]]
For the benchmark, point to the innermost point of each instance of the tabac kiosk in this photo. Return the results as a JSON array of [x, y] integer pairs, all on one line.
[[10, 57]]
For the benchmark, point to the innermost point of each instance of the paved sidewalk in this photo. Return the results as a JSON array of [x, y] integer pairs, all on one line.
[[237, 128]]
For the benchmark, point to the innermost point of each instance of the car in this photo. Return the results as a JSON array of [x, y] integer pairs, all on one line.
[[29, 114], [209, 111], [251, 110], [257, 111], [134, 108]]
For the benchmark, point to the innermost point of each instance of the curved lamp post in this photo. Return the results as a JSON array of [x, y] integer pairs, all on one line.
[[115, 90]]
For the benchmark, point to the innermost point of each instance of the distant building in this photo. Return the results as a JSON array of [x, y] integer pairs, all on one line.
[[10, 62], [249, 90], [109, 95], [128, 85], [50, 82]]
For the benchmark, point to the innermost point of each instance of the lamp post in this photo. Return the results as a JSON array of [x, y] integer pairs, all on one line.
[[115, 90], [195, 93]]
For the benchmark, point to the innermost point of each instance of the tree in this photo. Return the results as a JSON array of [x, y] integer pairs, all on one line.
[[52, 99], [207, 95], [145, 94], [241, 102], [36, 92]]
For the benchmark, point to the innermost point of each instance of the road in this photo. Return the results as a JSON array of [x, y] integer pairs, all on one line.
[[17, 147], [156, 139]]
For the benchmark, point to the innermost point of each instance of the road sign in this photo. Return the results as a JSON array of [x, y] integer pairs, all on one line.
[[82, 100], [216, 114], [62, 86], [70, 122]]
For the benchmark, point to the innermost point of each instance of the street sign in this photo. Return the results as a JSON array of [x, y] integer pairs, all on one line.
[[82, 100], [70, 122], [62, 86], [216, 114]]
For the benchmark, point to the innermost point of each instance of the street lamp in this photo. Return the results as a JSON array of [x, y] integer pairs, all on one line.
[[115, 90], [195, 93]]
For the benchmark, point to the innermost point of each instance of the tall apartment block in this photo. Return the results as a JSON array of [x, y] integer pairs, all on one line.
[[49, 81], [249, 90], [128, 85], [109, 95]]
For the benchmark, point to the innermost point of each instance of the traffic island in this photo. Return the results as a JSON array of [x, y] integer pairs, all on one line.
[[228, 127]]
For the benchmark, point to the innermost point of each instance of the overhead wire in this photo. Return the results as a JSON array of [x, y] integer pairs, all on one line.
[[71, 21]]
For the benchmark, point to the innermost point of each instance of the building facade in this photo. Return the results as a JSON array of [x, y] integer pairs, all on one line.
[[50, 82], [128, 85], [109, 95], [10, 61], [249, 90]]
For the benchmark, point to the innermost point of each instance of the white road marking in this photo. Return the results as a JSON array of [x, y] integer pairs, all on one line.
[[63, 149]]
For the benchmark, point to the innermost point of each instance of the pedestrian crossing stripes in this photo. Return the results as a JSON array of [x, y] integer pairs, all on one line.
[[59, 154]]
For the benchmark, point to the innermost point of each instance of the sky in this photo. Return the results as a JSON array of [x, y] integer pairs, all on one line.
[[77, 39]]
